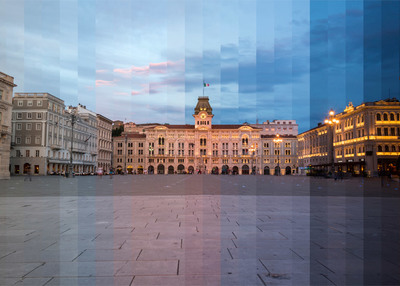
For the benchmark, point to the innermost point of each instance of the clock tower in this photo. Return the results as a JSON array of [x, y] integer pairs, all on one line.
[[203, 113]]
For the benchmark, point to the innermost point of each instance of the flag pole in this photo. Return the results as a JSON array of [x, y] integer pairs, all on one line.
[[203, 87]]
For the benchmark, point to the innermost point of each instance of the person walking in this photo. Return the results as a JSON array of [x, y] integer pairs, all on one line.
[[28, 173]]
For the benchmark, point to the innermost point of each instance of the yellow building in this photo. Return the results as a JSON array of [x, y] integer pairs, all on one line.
[[363, 140]]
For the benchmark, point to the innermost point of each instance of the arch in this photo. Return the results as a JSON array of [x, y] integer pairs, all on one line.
[[215, 170], [379, 148], [245, 170], [392, 116], [277, 170], [225, 170], [160, 169], [385, 117], [140, 170], [288, 170], [27, 168], [386, 148], [170, 169], [393, 148], [150, 170], [181, 169], [235, 170], [266, 170], [378, 117], [191, 169], [398, 116], [129, 169], [119, 169]]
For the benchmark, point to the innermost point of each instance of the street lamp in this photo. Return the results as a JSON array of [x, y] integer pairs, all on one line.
[[331, 121], [73, 120], [252, 149], [278, 140]]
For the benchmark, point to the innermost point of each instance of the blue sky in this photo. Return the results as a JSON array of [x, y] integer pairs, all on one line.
[[145, 61]]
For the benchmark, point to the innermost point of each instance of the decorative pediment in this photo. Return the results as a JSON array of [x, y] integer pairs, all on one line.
[[246, 128], [160, 128], [202, 128]]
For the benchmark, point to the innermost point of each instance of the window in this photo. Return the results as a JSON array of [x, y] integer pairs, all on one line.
[[161, 141], [28, 140], [29, 126], [39, 103], [392, 116], [38, 126], [18, 140], [39, 115], [386, 148], [29, 115], [17, 153], [27, 153], [20, 103], [287, 152], [37, 140], [385, 117], [19, 126], [378, 117], [30, 103], [19, 115], [37, 153], [379, 131], [203, 141]]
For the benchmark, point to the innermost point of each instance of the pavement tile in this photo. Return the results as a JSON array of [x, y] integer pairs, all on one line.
[[74, 269], [108, 255], [164, 267], [8, 269], [33, 281], [98, 281]]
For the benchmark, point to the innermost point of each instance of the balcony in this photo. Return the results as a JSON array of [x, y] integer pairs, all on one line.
[[55, 147], [5, 130]]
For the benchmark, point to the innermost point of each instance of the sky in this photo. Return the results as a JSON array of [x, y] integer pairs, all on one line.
[[146, 61]]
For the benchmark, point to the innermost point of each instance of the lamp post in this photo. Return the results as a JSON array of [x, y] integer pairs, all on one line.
[[331, 121], [73, 121], [278, 140], [252, 150]]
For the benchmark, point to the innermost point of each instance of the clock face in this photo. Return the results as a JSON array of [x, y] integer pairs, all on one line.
[[203, 116]]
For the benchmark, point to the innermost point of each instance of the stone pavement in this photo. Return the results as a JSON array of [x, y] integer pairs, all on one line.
[[199, 230]]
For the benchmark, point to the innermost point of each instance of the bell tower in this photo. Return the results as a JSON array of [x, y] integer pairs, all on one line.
[[203, 113]]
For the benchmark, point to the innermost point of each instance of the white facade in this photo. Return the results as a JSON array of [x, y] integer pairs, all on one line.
[[6, 93]]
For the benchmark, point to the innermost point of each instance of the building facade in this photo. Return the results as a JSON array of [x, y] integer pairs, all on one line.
[[364, 140], [41, 136], [6, 93], [205, 147], [104, 144]]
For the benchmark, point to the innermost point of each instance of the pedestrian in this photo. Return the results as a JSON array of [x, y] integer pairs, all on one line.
[[28, 172]]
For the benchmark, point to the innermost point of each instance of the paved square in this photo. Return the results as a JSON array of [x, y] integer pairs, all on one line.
[[199, 230]]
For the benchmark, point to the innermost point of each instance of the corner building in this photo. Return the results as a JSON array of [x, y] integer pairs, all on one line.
[[363, 141], [206, 147], [6, 93]]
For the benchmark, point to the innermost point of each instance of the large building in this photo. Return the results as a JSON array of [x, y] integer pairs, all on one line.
[[362, 140], [6, 93], [206, 147], [104, 144], [41, 136]]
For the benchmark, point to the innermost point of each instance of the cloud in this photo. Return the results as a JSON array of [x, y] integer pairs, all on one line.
[[100, 82], [101, 71], [136, 92], [152, 68]]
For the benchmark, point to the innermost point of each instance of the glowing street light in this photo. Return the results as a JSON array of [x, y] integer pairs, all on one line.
[[278, 140], [332, 121]]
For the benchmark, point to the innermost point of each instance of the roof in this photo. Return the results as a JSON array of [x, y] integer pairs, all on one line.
[[280, 136], [131, 135], [214, 126]]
